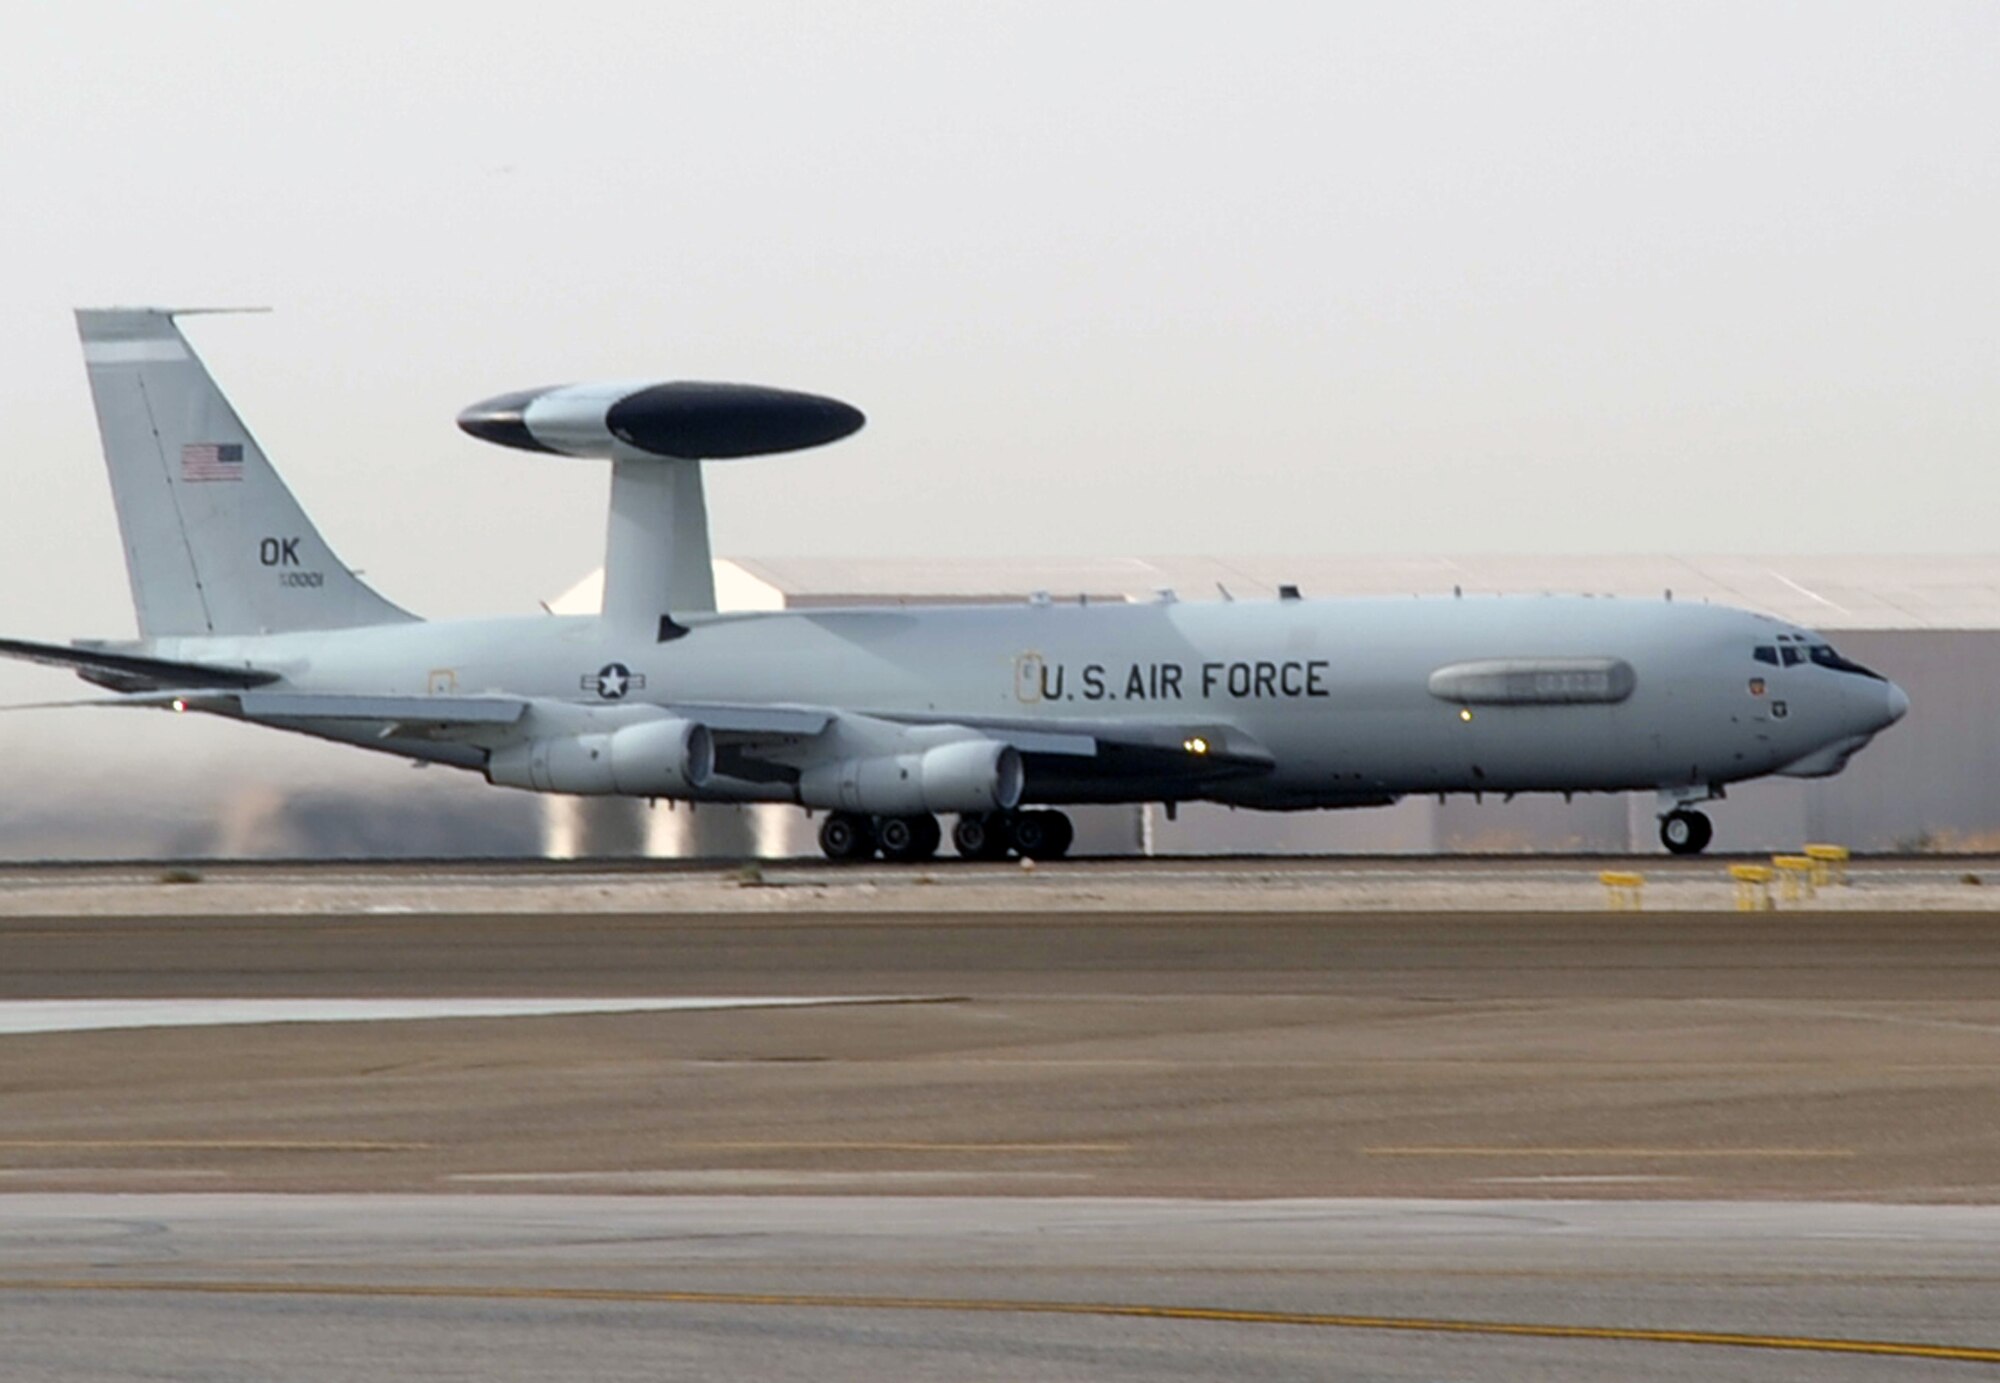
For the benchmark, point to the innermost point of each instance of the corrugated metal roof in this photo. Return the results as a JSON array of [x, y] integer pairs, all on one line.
[[1824, 592]]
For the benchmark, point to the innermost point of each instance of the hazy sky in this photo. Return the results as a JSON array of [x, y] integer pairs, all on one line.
[[1107, 279]]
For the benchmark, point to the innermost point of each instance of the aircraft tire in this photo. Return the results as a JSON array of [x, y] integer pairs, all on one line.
[[847, 838], [982, 836], [1062, 834], [1686, 832], [905, 839], [1043, 835]]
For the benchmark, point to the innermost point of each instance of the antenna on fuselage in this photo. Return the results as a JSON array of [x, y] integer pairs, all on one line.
[[656, 547]]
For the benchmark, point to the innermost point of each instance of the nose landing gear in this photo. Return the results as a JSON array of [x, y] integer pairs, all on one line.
[[1686, 832], [1683, 830]]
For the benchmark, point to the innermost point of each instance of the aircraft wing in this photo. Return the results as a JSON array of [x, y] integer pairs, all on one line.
[[1065, 759], [1088, 738], [1075, 760], [182, 686], [1069, 760], [472, 720], [127, 672], [756, 721]]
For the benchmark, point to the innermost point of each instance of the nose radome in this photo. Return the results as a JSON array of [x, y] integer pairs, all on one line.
[[1899, 703]]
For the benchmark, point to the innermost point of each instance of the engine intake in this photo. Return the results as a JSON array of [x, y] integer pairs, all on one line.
[[654, 758]]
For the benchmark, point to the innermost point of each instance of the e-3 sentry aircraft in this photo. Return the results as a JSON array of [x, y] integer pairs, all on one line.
[[884, 718]]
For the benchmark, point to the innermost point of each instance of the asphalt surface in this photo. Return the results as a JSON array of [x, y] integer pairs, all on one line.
[[1847, 1056], [1419, 1146], [809, 1288]]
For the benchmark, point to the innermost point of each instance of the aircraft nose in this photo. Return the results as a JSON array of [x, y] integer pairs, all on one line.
[[1899, 703]]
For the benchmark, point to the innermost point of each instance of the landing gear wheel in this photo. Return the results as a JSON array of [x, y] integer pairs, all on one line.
[[1062, 834], [981, 836], [1043, 835], [907, 838], [1686, 832], [846, 838]]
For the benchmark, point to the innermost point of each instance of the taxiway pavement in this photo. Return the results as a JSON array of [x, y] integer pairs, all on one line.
[[1852, 1056]]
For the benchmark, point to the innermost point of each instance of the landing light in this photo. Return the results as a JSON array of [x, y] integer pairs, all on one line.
[[1195, 744], [1465, 713], [179, 705]]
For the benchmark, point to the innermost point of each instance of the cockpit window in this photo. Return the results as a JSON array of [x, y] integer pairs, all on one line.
[[1824, 656], [1792, 654], [1766, 653]]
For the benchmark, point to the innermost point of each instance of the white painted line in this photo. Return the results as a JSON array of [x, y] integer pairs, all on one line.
[[750, 1178], [1809, 595], [20, 1016], [1576, 1179]]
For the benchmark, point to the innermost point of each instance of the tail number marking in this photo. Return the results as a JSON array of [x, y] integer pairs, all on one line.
[[283, 553]]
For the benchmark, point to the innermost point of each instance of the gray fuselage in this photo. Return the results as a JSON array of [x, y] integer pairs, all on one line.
[[1338, 692]]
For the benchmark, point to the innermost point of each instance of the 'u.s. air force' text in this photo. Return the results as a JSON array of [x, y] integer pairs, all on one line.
[[1037, 679]]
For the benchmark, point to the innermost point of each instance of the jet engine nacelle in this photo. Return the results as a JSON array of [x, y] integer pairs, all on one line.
[[654, 758], [685, 420], [974, 775]]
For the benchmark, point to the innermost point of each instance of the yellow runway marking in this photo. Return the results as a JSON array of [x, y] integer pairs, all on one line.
[[1896, 1349], [806, 1145], [1609, 1152], [206, 1145]]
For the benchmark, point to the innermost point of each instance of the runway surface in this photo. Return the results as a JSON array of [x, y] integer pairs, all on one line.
[[837, 1288], [1423, 1146]]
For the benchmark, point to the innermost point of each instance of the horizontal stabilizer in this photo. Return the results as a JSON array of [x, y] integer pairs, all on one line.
[[132, 671]]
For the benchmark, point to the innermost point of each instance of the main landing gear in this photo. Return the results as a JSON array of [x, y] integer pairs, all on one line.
[[1039, 835], [845, 837], [849, 837]]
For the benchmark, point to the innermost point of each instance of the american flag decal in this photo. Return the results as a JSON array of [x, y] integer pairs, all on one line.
[[212, 461]]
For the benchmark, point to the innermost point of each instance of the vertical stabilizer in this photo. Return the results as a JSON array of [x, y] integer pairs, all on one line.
[[214, 541]]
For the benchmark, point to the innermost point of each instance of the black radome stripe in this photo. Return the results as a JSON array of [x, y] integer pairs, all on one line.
[[698, 422]]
